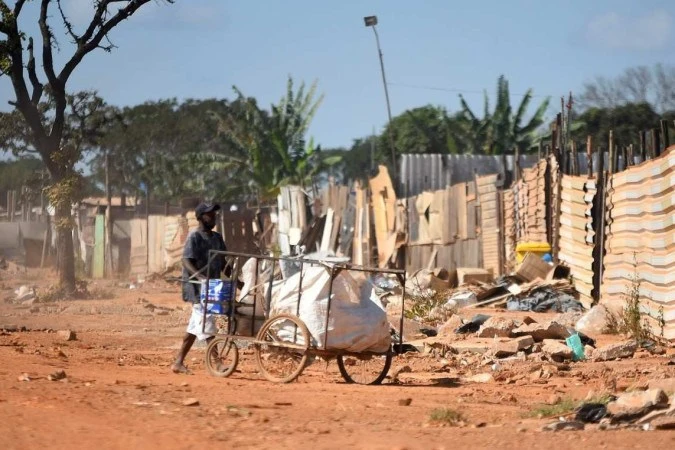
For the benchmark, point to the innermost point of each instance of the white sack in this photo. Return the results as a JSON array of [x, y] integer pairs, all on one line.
[[357, 321]]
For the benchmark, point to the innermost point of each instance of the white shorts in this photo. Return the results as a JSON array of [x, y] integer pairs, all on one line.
[[197, 319]]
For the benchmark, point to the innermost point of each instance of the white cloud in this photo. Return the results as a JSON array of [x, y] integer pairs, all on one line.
[[649, 31]]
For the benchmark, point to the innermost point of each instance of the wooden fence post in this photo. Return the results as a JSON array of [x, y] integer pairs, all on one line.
[[643, 146], [589, 155], [665, 134]]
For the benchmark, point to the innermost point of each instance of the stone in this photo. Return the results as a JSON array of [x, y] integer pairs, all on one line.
[[405, 402], [541, 331], [450, 325], [190, 402], [24, 377], [527, 320], [588, 351], [480, 378], [56, 376], [666, 384], [663, 423], [161, 312], [496, 327], [637, 403], [512, 346], [564, 426], [554, 399], [556, 349], [67, 335], [399, 370], [615, 351]]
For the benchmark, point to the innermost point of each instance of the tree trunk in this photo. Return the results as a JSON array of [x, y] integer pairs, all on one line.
[[64, 242]]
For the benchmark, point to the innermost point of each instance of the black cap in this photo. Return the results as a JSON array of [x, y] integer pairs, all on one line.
[[203, 208]]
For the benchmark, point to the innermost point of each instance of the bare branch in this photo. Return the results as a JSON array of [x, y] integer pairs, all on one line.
[[67, 24], [47, 58], [17, 7], [98, 29], [32, 75]]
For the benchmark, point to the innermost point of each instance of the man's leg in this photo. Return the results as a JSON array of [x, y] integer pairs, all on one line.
[[179, 366]]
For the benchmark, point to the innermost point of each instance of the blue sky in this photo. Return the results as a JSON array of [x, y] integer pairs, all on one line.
[[200, 48]]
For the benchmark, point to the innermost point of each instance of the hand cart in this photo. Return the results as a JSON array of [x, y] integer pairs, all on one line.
[[282, 343]]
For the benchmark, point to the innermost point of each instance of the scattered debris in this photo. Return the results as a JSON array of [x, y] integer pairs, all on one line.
[[24, 377], [467, 275], [67, 335], [474, 324], [595, 321], [543, 299], [480, 378], [565, 426], [541, 331], [663, 423], [191, 402], [56, 376], [632, 405], [398, 371], [615, 351], [461, 300], [24, 293], [502, 349], [450, 325], [556, 350], [496, 327]]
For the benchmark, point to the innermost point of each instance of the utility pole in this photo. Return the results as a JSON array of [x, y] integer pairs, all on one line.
[[371, 21]]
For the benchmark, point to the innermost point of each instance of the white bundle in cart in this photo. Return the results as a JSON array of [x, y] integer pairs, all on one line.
[[357, 321]]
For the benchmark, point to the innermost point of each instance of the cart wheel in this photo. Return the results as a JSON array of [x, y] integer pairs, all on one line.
[[281, 349], [366, 369], [222, 357]]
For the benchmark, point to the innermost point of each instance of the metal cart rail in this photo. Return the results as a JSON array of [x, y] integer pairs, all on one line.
[[281, 356]]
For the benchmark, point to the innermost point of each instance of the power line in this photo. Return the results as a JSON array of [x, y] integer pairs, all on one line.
[[459, 91]]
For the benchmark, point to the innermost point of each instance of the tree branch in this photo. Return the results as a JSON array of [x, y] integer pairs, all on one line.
[[92, 38], [32, 75], [47, 58], [17, 7], [68, 25], [15, 52]]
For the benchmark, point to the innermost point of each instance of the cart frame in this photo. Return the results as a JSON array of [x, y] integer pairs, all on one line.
[[308, 348]]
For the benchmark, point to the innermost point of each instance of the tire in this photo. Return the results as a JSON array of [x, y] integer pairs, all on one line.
[[222, 357], [371, 373], [290, 351]]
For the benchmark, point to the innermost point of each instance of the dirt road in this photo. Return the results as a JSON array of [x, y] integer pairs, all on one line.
[[119, 392]]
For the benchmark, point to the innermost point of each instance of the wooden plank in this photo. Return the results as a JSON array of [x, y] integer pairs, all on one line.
[[384, 210], [459, 192]]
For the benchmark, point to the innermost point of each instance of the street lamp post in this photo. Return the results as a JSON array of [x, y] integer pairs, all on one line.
[[371, 21]]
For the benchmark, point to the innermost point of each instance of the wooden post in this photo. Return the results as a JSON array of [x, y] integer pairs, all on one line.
[[575, 159], [631, 156], [109, 269], [643, 146], [612, 151], [516, 164], [599, 225], [539, 150], [657, 143], [665, 133], [589, 155], [624, 159]]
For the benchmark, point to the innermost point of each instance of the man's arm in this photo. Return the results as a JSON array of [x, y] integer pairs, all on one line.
[[189, 264], [190, 257]]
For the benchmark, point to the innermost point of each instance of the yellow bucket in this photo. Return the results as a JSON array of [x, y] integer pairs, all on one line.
[[538, 248]]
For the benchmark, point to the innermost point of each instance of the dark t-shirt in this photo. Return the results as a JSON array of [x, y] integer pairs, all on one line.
[[197, 248]]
